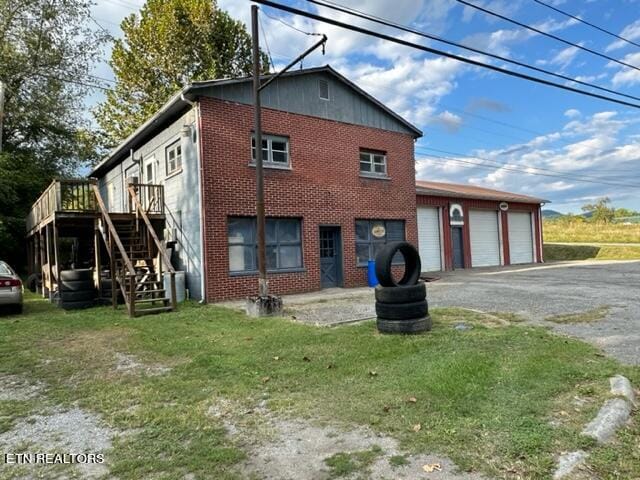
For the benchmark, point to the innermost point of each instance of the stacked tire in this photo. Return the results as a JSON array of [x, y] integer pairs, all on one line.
[[401, 305], [77, 289]]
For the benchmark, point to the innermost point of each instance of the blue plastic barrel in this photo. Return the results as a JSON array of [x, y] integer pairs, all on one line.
[[371, 273]]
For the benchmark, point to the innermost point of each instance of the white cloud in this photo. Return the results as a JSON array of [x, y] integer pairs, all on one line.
[[625, 75], [572, 113], [630, 32]]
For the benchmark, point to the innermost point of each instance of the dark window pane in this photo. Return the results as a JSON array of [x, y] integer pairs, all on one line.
[[365, 167], [362, 253], [280, 157], [377, 246], [290, 256], [289, 230], [379, 159], [279, 145], [365, 157], [270, 229], [379, 168], [272, 262], [362, 230], [395, 230]]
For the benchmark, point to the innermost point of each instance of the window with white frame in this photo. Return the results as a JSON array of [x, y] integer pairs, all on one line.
[[174, 157], [275, 151], [373, 163]]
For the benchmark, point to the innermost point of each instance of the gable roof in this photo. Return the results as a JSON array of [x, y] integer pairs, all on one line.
[[457, 190], [179, 103]]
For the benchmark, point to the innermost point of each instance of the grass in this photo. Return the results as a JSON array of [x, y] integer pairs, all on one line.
[[588, 316], [347, 463], [484, 396], [557, 252], [585, 232]]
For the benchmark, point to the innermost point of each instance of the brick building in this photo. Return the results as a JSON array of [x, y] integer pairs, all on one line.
[[339, 181]]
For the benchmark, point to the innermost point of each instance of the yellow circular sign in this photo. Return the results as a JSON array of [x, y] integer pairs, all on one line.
[[378, 231]]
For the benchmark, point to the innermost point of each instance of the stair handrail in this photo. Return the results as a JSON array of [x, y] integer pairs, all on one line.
[[112, 230], [163, 253]]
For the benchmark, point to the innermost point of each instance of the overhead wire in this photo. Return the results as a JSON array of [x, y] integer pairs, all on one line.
[[405, 28], [549, 35], [592, 25]]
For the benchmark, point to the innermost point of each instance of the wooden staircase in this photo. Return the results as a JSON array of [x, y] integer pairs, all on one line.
[[136, 257]]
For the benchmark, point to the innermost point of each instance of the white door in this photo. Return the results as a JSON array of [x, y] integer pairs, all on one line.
[[150, 170], [520, 237], [485, 238], [429, 239]]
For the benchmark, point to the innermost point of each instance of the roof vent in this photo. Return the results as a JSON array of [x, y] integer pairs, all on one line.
[[323, 89]]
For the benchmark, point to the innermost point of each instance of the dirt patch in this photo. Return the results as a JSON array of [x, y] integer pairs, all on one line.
[[330, 312], [130, 364], [73, 431], [286, 449], [14, 388]]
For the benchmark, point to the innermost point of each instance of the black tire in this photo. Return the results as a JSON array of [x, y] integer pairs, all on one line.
[[77, 305], [76, 275], [413, 325], [79, 295], [106, 283], [32, 282], [402, 311], [401, 294], [411, 264], [76, 285]]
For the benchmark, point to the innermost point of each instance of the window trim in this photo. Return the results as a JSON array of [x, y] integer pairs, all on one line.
[[372, 173], [172, 146], [370, 242], [268, 162], [277, 244], [328, 97]]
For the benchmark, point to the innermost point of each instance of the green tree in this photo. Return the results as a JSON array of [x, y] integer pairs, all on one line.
[[46, 53], [601, 211], [170, 43]]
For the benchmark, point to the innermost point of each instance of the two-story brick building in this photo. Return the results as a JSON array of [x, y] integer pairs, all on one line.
[[339, 181]]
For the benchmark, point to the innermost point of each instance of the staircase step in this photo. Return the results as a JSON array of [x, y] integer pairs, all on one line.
[[152, 292], [151, 300], [149, 311]]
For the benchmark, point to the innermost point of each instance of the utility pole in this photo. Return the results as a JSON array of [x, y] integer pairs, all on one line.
[[2, 88], [265, 303]]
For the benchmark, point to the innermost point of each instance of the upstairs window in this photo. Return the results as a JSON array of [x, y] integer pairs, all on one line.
[[275, 151], [373, 163], [323, 89], [174, 157]]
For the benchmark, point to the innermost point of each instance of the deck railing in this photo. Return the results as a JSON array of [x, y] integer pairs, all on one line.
[[69, 195], [77, 195]]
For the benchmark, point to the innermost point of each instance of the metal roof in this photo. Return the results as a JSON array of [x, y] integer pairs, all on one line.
[[457, 190]]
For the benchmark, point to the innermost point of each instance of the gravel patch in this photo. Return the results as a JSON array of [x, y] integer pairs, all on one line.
[[72, 431], [286, 449], [130, 364], [14, 388]]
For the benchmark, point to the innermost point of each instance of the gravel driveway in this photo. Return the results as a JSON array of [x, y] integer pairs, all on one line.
[[535, 292]]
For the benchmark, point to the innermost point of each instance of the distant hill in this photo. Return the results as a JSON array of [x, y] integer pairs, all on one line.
[[551, 214]]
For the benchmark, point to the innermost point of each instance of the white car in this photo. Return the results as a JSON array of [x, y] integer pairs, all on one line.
[[10, 288]]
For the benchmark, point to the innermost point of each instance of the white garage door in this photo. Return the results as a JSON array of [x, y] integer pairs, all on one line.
[[520, 237], [429, 238], [485, 240]]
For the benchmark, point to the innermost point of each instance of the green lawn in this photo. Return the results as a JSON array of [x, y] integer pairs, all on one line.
[[558, 252], [487, 397], [585, 232]]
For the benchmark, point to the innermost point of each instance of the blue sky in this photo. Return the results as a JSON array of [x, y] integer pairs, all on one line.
[[471, 116]]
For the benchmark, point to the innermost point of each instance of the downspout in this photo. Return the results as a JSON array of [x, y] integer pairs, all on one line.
[[196, 107]]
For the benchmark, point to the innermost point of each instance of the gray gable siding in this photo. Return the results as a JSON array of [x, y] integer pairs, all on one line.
[[181, 190], [300, 94]]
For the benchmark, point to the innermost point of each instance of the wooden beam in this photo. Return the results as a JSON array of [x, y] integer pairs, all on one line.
[[49, 266], [56, 244], [98, 261]]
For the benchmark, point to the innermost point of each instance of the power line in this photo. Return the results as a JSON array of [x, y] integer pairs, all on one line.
[[549, 35], [442, 53], [386, 22], [491, 164], [277, 19], [567, 14], [266, 43]]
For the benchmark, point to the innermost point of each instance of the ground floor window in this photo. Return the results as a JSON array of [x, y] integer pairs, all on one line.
[[283, 238], [372, 235]]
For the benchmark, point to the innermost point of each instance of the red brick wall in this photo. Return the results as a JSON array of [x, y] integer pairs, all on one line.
[[323, 188], [468, 204]]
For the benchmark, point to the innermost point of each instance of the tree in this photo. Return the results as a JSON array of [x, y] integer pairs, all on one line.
[[601, 211], [171, 43], [46, 53]]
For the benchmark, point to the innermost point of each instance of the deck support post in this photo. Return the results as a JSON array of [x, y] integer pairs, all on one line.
[[98, 260], [112, 269], [47, 232], [55, 256]]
